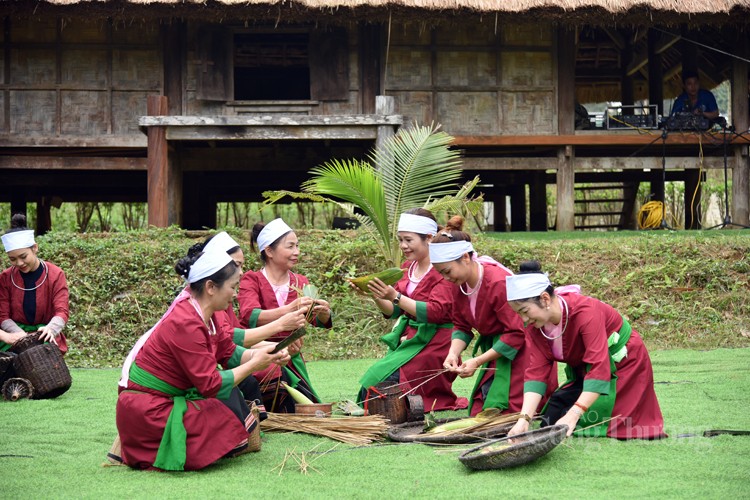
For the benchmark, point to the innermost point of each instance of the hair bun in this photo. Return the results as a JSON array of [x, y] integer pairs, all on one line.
[[455, 223], [530, 266], [184, 264], [18, 221]]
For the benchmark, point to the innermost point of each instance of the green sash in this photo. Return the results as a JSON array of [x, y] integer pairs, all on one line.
[[299, 365], [498, 395], [400, 353], [602, 408], [26, 328], [172, 452]]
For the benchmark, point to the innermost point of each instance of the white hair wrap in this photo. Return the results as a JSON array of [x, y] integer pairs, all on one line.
[[526, 286], [207, 264], [417, 224], [18, 239], [222, 242], [447, 252], [272, 232]]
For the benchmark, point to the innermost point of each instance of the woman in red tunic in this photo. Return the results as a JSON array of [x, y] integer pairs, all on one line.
[[479, 304], [176, 410], [608, 368], [421, 338], [272, 292], [33, 293]]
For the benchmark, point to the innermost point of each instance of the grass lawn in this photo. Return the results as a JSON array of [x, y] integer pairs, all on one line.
[[54, 449]]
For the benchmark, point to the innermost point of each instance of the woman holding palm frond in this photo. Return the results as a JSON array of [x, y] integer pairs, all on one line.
[[269, 294], [479, 304], [421, 303]]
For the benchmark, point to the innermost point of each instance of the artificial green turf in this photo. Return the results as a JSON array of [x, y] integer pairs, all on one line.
[[55, 448]]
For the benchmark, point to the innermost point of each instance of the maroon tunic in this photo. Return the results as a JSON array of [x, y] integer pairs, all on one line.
[[51, 299], [584, 340], [494, 317], [182, 353], [435, 305]]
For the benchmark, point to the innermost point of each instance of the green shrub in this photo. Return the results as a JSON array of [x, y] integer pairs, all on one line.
[[679, 289]]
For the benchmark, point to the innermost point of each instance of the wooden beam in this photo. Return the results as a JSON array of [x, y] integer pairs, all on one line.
[[619, 138], [71, 163], [616, 37], [73, 141], [655, 81], [173, 56], [641, 58]]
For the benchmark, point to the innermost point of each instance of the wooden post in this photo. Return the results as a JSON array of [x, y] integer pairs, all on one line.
[[370, 52], [566, 58], [740, 202], [499, 212], [538, 202], [692, 199], [43, 215], [158, 165], [655, 73], [518, 208], [384, 105], [173, 53], [627, 92], [565, 189]]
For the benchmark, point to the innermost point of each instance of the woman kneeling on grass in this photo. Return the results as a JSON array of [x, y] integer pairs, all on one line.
[[608, 368], [500, 352], [420, 339], [176, 410], [33, 293]]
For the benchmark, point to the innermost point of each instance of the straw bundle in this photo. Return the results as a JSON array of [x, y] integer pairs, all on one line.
[[358, 431]]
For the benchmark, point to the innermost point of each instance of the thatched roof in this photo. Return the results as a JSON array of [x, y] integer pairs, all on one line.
[[575, 12]]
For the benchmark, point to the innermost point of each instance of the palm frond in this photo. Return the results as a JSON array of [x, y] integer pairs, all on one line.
[[416, 165], [459, 203]]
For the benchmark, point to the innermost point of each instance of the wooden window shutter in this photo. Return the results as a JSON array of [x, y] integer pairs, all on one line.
[[329, 65], [214, 72]]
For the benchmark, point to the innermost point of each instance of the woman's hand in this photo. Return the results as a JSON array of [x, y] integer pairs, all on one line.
[[570, 419], [11, 338], [300, 303], [521, 426], [263, 358], [46, 334], [452, 362], [468, 368], [292, 320], [295, 347], [322, 310], [380, 290]]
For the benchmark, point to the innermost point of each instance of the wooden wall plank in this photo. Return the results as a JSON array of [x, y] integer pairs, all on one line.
[[127, 107], [85, 112], [466, 69], [84, 67], [31, 111]]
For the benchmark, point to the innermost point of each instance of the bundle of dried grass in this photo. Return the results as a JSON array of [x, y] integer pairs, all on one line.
[[358, 431]]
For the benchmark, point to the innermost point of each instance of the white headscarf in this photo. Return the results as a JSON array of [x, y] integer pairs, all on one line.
[[526, 286], [18, 239], [417, 224], [447, 252], [207, 264], [272, 232], [222, 242]]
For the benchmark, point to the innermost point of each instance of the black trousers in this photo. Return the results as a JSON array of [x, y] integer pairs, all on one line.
[[561, 401]]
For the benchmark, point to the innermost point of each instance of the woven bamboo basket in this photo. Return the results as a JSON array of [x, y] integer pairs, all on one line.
[[514, 451], [25, 343], [45, 368], [253, 439], [385, 399], [17, 388], [6, 366]]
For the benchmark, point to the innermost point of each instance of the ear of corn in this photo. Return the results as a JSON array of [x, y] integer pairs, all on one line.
[[389, 277], [297, 396], [455, 425]]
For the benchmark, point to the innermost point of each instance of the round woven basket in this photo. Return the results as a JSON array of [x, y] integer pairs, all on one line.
[[17, 388], [315, 409], [408, 431], [495, 432], [514, 451], [253, 438], [25, 343], [45, 368], [6, 365]]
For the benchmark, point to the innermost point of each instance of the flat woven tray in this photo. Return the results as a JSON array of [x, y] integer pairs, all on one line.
[[414, 432], [517, 450]]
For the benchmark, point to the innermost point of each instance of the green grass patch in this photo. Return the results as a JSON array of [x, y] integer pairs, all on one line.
[[54, 449]]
